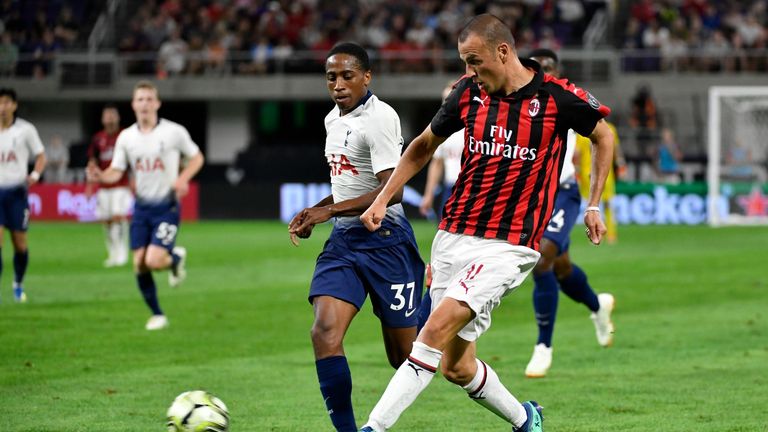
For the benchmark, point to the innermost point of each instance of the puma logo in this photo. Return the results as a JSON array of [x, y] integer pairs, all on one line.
[[415, 369], [482, 101]]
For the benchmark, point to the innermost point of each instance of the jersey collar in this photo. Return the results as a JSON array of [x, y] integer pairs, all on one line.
[[532, 87], [362, 101]]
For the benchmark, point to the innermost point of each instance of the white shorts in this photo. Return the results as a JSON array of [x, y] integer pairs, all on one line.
[[479, 272], [113, 202]]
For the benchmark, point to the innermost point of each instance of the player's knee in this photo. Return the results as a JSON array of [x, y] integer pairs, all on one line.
[[325, 335], [545, 264], [154, 263], [456, 373], [563, 271]]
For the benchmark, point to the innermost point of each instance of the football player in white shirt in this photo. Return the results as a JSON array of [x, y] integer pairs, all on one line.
[[363, 145], [19, 142], [153, 148], [554, 271]]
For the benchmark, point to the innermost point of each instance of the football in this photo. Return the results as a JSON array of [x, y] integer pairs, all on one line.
[[198, 411]]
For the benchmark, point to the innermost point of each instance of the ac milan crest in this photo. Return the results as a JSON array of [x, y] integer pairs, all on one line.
[[533, 107]]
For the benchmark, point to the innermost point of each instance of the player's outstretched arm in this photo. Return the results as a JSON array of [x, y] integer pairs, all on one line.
[[418, 153], [108, 176], [293, 227], [302, 224], [602, 158]]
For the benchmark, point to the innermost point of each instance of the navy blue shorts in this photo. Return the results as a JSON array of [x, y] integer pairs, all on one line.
[[385, 264], [564, 216], [14, 208], [156, 224]]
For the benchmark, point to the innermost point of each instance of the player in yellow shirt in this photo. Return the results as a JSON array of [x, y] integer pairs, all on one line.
[[582, 158]]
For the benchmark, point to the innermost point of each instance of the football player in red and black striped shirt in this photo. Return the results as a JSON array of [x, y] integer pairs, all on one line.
[[516, 120]]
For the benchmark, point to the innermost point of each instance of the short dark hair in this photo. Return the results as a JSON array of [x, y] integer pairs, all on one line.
[[110, 105], [9, 92], [544, 52], [355, 51], [491, 28]]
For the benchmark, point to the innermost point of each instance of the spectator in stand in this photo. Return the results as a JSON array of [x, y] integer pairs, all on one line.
[[44, 52], [9, 56], [261, 53], [58, 161], [195, 55], [67, 28], [172, 57], [674, 49], [654, 37], [715, 51], [548, 40], [216, 53], [644, 119], [668, 158]]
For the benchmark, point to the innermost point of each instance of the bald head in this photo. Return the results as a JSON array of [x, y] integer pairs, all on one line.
[[491, 29]]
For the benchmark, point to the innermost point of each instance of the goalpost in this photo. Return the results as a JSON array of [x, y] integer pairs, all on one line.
[[737, 169]]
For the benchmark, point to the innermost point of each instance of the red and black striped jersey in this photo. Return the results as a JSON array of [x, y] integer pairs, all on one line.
[[101, 149], [514, 148]]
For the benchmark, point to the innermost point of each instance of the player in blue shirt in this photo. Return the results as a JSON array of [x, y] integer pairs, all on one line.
[[363, 145], [555, 271]]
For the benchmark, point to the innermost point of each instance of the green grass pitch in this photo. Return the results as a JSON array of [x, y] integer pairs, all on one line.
[[690, 354]]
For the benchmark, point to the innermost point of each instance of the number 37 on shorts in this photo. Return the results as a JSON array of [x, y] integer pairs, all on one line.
[[403, 295]]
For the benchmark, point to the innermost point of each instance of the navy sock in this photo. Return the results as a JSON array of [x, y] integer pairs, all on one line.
[[336, 387], [424, 310], [545, 296], [20, 261], [576, 287], [175, 261], [149, 291]]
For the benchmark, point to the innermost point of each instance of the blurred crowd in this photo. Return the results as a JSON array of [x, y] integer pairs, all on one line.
[[33, 31], [171, 37], [249, 36], [698, 35]]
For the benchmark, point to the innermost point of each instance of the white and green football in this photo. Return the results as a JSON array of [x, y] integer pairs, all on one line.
[[198, 411]]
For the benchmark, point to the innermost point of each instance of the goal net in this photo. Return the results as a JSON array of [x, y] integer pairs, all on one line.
[[737, 171]]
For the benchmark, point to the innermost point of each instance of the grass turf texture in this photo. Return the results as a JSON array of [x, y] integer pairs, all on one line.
[[691, 349]]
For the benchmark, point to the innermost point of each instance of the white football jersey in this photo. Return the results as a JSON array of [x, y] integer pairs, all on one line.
[[450, 152], [568, 174], [358, 145], [19, 145], [153, 157]]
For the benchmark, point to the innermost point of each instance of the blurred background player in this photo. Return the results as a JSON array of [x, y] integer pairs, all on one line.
[[114, 200], [362, 147], [153, 148], [19, 143], [554, 271], [442, 172], [582, 158]]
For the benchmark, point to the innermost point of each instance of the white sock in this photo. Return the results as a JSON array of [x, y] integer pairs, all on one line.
[[108, 241], [487, 390], [411, 378], [115, 237], [121, 247]]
